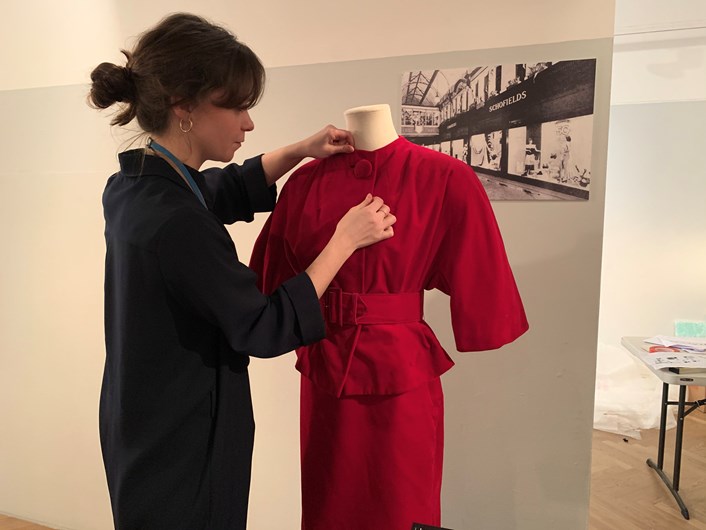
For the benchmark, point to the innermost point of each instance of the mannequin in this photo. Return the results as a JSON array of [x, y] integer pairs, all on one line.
[[371, 399], [371, 126]]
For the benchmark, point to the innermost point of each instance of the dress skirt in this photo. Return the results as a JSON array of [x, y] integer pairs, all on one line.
[[371, 462]]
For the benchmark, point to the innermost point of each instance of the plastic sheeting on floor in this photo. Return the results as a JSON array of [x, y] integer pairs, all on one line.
[[628, 394]]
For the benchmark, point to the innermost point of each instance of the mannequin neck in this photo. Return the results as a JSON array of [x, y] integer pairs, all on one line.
[[371, 126]]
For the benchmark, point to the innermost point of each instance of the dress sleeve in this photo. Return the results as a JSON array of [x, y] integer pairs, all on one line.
[[471, 266], [200, 266], [271, 257], [240, 191]]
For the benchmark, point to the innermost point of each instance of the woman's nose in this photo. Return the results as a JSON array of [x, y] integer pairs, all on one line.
[[248, 124]]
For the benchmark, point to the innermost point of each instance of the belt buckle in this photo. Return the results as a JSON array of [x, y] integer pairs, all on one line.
[[334, 305]]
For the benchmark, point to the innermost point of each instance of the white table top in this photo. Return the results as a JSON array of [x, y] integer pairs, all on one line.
[[634, 346]]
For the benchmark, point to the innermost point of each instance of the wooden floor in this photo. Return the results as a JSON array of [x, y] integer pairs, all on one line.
[[628, 495], [8, 523], [625, 493]]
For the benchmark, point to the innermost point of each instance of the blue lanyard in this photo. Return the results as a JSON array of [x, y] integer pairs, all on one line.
[[182, 168]]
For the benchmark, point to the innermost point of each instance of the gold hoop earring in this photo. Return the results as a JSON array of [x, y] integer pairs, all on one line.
[[187, 128]]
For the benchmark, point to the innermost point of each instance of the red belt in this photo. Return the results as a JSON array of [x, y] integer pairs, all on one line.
[[352, 309]]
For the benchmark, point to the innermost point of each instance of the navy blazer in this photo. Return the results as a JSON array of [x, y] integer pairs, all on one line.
[[182, 317]]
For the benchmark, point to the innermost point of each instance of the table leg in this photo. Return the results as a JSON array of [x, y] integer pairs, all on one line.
[[663, 425], [680, 436], [673, 486]]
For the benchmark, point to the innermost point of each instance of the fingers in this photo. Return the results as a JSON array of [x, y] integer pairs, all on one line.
[[339, 140], [376, 204], [328, 141], [388, 221], [336, 149], [387, 218], [383, 223], [368, 199], [340, 136]]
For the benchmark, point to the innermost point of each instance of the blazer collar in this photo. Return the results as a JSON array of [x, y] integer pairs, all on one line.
[[135, 163]]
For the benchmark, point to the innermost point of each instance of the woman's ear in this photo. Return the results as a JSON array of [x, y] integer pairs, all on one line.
[[182, 110]]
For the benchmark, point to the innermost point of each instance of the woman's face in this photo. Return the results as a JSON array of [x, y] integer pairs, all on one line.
[[218, 132]]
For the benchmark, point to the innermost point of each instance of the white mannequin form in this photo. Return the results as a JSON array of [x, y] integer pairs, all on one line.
[[371, 126]]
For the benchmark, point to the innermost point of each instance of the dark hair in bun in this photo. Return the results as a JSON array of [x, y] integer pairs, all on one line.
[[111, 84], [183, 59]]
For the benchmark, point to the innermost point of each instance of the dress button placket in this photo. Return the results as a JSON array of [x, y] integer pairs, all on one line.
[[363, 169]]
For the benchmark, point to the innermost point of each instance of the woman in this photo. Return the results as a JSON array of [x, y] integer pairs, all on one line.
[[565, 171], [182, 314]]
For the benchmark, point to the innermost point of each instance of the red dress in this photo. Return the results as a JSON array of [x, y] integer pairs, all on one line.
[[371, 402]]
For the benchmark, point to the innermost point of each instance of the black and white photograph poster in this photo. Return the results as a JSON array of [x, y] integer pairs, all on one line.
[[525, 129]]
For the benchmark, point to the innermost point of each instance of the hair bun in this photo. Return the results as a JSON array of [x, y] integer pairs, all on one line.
[[111, 83]]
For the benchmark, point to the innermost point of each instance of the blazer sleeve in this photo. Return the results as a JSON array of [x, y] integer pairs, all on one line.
[[239, 192], [471, 266], [200, 266]]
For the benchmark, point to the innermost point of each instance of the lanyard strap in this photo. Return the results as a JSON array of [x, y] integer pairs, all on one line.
[[181, 168]]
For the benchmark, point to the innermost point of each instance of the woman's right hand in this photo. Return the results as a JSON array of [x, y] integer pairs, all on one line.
[[366, 223]]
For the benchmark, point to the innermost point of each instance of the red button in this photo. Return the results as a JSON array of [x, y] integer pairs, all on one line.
[[363, 169]]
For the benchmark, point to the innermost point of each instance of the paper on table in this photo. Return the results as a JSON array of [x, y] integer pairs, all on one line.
[[692, 344], [673, 359]]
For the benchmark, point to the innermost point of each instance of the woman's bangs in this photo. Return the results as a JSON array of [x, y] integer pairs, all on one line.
[[244, 81]]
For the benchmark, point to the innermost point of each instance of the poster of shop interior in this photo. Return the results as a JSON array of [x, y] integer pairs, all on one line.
[[525, 129]]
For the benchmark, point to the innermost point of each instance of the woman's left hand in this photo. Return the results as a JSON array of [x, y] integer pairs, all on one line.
[[328, 141]]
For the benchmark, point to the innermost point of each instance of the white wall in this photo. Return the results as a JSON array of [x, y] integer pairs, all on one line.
[[659, 52], [651, 17], [659, 67], [655, 223], [655, 227], [57, 154], [59, 42]]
